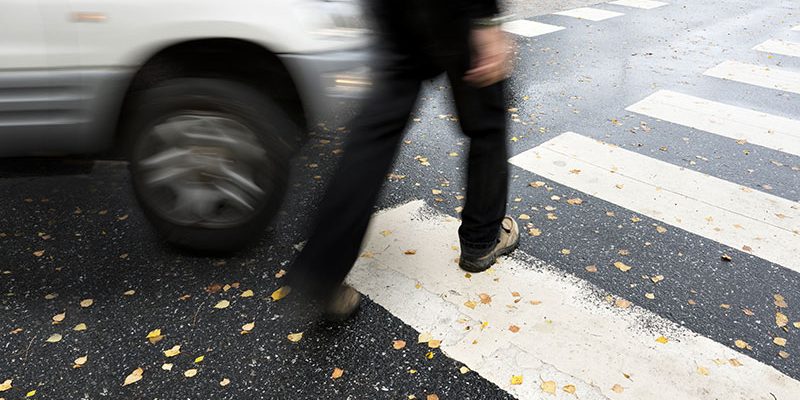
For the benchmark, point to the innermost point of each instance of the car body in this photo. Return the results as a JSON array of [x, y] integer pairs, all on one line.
[[75, 75]]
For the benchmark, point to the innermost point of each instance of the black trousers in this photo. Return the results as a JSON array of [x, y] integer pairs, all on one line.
[[369, 153]]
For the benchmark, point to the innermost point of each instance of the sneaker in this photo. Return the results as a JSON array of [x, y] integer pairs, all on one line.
[[506, 243], [343, 304]]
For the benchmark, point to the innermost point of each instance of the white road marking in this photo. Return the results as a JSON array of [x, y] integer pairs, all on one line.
[[768, 77], [796, 28], [774, 132], [777, 46], [527, 28], [764, 225], [644, 4], [572, 337], [592, 14]]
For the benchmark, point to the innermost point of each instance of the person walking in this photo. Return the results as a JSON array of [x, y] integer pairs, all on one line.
[[418, 40]]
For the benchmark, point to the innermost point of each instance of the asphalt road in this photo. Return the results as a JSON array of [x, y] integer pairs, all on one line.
[[71, 231]]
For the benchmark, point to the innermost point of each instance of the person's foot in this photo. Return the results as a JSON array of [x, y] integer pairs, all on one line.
[[506, 243], [343, 304]]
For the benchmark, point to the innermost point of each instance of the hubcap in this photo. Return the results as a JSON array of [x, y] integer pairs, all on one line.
[[202, 169]]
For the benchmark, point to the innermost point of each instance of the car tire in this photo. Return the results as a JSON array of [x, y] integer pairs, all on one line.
[[209, 160]]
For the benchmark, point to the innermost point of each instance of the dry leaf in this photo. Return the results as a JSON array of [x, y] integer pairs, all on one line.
[[536, 184], [662, 340], [424, 337], [167, 366], [246, 328], [726, 257], [780, 301], [516, 379], [58, 318], [282, 292], [734, 362], [224, 382], [485, 298], [6, 385], [222, 304], [783, 354], [337, 373], [54, 338], [534, 232], [622, 266], [154, 333], [796, 324], [79, 327], [129, 292], [295, 337], [622, 303], [398, 344], [134, 377], [650, 296], [636, 219], [174, 351], [80, 361], [702, 371], [781, 319], [657, 278], [87, 303], [431, 397], [513, 328], [247, 293], [410, 252], [280, 273], [565, 252], [434, 344], [471, 304], [617, 388], [748, 312], [575, 202], [463, 370], [569, 389], [429, 355], [741, 344], [38, 253], [190, 373], [661, 229], [591, 268], [548, 387], [779, 341]]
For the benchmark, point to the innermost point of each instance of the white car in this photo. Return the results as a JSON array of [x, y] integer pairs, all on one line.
[[208, 99]]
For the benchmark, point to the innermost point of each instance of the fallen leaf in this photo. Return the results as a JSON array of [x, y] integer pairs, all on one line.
[[463, 370], [536, 184], [702, 371], [565, 252], [635, 219], [725, 306], [726, 257], [38, 253], [190, 373], [780, 301], [199, 359], [548, 387], [398, 344], [622, 303], [410, 252], [779, 341], [734, 362], [337, 373], [431, 397], [424, 337], [129, 292], [748, 312], [167, 366], [429, 355], [622, 266], [485, 298], [516, 379], [282, 292], [6, 385], [31, 393], [154, 333], [741, 344], [569, 389], [58, 318], [54, 338], [551, 216], [295, 337], [783, 354], [280, 273], [222, 304], [79, 327], [513, 328], [534, 232], [434, 344], [617, 388], [657, 278], [80, 361], [524, 217], [224, 382], [174, 351], [781, 319], [575, 171], [575, 202], [662, 340], [591, 268], [134, 377], [246, 328], [661, 229], [650, 296], [247, 293], [796, 324], [470, 304]]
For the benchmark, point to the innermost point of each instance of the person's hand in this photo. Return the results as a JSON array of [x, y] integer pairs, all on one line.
[[491, 51]]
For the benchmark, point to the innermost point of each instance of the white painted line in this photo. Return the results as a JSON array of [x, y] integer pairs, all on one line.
[[592, 14], [768, 77], [774, 132], [796, 28], [762, 224], [527, 28], [572, 337], [777, 46], [643, 4]]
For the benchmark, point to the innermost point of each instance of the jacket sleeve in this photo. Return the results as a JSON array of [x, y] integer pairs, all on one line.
[[481, 8]]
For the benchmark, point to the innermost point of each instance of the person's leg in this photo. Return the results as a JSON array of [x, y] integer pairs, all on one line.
[[347, 205], [481, 112]]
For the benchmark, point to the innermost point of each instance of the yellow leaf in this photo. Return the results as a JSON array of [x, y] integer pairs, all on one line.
[[635, 219], [281, 293], [569, 389], [780, 301], [591, 268], [429, 355], [657, 278], [166, 366], [199, 359], [190, 373], [31, 393], [702, 371], [87, 303], [548, 387], [59, 318], [424, 337], [622, 303], [246, 328], [516, 379], [783, 354], [222, 304], [524, 217], [129, 292], [79, 327], [781, 319], [80, 361], [779, 341], [398, 344], [741, 344], [734, 362], [434, 344], [470, 304], [575, 202], [247, 293], [650, 296], [295, 337], [174, 351], [337, 373], [661, 229], [565, 252], [485, 298], [535, 232], [617, 388], [54, 338], [224, 382], [662, 340], [134, 377], [6, 385], [622, 266], [436, 191], [537, 184], [154, 334], [463, 370], [796, 324]]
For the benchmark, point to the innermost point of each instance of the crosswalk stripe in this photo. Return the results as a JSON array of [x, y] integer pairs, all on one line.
[[764, 225], [527, 28], [776, 46], [643, 4], [796, 28], [591, 14], [768, 77], [774, 132], [566, 333]]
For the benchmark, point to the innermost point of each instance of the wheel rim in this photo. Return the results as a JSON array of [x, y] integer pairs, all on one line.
[[203, 170]]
